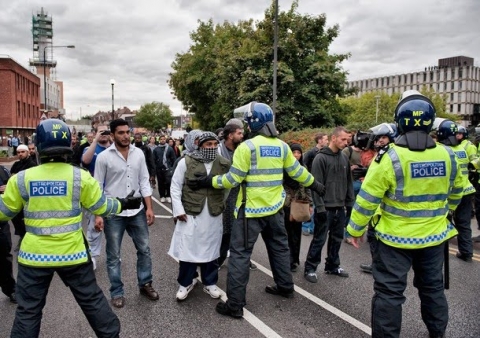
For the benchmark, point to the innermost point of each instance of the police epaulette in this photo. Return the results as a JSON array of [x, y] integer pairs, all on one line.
[[382, 152]]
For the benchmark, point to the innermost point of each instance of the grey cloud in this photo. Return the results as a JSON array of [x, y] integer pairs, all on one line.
[[135, 43]]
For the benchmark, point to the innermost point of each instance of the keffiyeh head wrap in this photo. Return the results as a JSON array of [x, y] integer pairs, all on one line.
[[189, 143], [205, 154]]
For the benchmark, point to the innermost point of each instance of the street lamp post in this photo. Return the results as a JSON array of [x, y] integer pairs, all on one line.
[[45, 71], [377, 97], [112, 82], [275, 60]]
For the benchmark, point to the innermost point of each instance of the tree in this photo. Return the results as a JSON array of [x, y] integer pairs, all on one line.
[[229, 65], [154, 116], [362, 111]]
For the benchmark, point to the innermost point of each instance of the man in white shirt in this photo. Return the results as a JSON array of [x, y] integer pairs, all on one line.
[[121, 169]]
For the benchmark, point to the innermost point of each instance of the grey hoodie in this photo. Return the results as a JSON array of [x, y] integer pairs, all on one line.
[[333, 170]]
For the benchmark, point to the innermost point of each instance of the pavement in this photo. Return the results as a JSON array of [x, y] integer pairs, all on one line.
[[334, 307]]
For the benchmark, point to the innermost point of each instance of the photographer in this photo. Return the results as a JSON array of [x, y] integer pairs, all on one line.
[[360, 154]]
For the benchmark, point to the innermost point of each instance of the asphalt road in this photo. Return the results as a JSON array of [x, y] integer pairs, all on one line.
[[334, 307]]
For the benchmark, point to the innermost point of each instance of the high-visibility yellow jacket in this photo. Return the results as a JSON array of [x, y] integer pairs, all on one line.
[[470, 149], [414, 190], [463, 160], [259, 163], [52, 196]]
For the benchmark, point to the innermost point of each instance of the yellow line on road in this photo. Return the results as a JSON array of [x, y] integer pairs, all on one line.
[[476, 257]]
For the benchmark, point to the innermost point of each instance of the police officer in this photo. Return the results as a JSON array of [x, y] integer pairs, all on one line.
[[415, 183], [52, 196], [446, 134], [258, 165], [381, 136]]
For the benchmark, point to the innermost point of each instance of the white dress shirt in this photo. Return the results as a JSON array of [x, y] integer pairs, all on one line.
[[118, 177]]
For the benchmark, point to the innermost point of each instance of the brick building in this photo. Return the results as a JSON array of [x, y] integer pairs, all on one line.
[[19, 100]]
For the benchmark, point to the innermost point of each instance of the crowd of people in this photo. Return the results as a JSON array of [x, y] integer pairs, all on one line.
[[393, 182]]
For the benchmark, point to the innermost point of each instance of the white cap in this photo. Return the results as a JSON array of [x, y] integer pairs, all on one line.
[[22, 147]]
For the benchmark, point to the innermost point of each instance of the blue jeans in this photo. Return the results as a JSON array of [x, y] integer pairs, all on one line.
[[308, 226], [137, 229]]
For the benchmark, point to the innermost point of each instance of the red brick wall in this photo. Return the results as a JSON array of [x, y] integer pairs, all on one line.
[[19, 99]]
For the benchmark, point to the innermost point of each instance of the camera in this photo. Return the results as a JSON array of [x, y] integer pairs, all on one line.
[[105, 132]]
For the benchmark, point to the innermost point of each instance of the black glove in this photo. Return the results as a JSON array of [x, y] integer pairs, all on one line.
[[450, 216], [318, 187], [130, 202], [201, 181]]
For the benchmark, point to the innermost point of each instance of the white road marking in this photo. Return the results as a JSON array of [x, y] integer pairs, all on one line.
[[265, 329], [250, 317], [161, 204], [349, 319], [163, 216]]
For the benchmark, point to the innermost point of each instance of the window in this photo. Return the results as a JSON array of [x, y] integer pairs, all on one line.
[[451, 97], [451, 108], [431, 76], [460, 85], [460, 72], [424, 77], [444, 86], [411, 78], [388, 81], [459, 108], [452, 86], [18, 108], [376, 83]]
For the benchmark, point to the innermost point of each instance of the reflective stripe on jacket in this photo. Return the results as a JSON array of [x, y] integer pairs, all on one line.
[[259, 163], [414, 190], [462, 159], [52, 196]]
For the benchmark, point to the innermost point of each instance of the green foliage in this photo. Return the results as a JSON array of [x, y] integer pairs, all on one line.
[[305, 137], [229, 65], [154, 116], [361, 111]]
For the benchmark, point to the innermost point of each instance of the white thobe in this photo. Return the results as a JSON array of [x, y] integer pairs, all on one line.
[[198, 239]]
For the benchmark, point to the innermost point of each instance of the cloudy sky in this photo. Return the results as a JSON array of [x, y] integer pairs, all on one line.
[[134, 42]]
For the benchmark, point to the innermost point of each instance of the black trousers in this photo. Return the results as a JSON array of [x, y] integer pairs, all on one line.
[[330, 223], [390, 270], [164, 180], [275, 237], [188, 271], [477, 204], [32, 289], [462, 219], [7, 282], [294, 234]]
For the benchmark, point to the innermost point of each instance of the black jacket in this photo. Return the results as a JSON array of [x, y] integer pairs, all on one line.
[[22, 165], [333, 170], [158, 157]]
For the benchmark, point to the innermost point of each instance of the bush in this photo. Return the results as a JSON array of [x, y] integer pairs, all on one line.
[[304, 137]]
